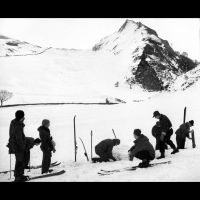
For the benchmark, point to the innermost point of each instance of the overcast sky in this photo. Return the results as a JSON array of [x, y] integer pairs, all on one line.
[[83, 33]]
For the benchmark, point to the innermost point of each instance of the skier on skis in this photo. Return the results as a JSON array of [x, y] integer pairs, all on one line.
[[17, 144], [183, 132], [167, 131], [46, 146], [29, 144], [104, 150], [142, 149]]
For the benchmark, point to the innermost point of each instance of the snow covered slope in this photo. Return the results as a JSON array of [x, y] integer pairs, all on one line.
[[12, 47], [123, 118], [121, 67]]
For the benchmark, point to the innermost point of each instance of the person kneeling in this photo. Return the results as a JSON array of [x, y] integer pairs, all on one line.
[[104, 150], [142, 149]]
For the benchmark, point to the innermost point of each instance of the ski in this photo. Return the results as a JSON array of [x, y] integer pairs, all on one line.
[[51, 165], [193, 139], [84, 149], [109, 172], [34, 167], [75, 143], [47, 175]]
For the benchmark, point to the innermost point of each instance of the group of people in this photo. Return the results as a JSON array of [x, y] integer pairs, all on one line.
[[20, 145], [142, 148]]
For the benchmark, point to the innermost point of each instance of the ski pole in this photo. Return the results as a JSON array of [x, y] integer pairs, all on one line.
[[29, 162], [10, 166], [114, 133], [91, 145]]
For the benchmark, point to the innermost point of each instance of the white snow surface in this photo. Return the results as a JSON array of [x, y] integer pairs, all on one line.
[[123, 118]]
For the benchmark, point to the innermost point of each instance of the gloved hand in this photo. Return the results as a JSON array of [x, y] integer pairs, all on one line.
[[162, 137]]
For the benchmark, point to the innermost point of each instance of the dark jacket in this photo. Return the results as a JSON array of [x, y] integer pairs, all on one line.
[[46, 139], [156, 131], [29, 143], [105, 147], [165, 123], [142, 144], [183, 130], [16, 137]]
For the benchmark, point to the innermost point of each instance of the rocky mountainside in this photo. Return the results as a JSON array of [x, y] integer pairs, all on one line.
[[153, 63]]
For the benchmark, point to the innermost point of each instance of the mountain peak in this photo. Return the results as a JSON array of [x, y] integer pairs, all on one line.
[[136, 26]]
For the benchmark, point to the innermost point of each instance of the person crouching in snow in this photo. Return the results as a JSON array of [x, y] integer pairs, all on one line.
[[47, 145], [29, 144], [142, 149], [183, 132], [104, 150]]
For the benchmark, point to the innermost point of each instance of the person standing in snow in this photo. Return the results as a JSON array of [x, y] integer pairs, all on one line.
[[167, 131], [183, 132], [17, 144], [156, 132], [29, 144], [46, 145], [104, 150], [142, 149]]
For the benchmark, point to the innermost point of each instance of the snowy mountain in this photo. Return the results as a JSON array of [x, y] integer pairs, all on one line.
[[153, 63], [12, 47], [122, 67]]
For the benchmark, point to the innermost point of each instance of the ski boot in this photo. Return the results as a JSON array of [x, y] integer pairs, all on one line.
[[175, 151], [161, 156], [143, 164]]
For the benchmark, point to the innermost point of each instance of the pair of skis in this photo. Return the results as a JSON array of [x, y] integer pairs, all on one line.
[[75, 142], [110, 172]]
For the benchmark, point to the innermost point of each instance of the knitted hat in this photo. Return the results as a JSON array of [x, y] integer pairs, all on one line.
[[19, 115], [45, 122], [137, 132]]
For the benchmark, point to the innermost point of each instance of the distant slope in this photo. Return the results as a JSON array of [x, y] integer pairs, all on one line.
[[12, 47]]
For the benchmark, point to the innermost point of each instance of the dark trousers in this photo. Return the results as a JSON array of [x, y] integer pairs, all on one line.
[[26, 158], [19, 164], [180, 141], [167, 140], [103, 156], [46, 161], [144, 155]]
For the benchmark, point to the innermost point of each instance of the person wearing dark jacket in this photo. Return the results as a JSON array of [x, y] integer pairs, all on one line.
[[183, 132], [17, 143], [29, 144], [46, 145], [156, 132], [142, 149], [167, 131], [104, 150]]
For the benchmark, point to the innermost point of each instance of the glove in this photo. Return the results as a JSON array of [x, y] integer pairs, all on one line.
[[162, 138]]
